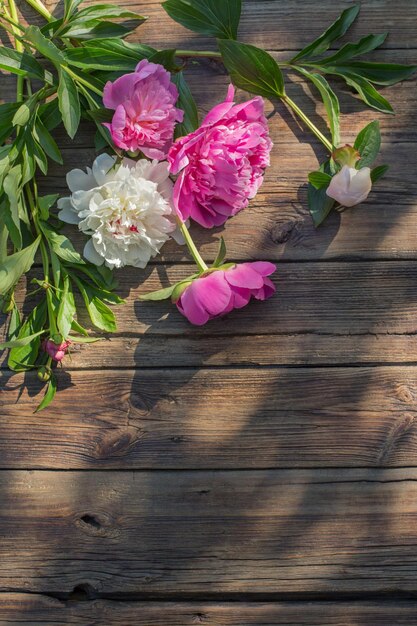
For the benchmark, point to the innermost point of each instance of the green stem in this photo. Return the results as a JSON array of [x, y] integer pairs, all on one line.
[[192, 247], [82, 81], [19, 48], [290, 103], [208, 54], [41, 9]]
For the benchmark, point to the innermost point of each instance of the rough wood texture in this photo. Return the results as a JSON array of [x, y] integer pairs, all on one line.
[[179, 533], [214, 418], [195, 429], [325, 313], [33, 610]]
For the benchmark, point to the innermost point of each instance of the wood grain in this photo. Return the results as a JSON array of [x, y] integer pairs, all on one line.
[[179, 533], [219, 418], [34, 610], [227, 463], [322, 313]]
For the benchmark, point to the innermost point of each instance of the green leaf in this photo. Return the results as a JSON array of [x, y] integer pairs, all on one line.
[[61, 245], [45, 46], [160, 294], [45, 203], [28, 165], [4, 238], [136, 51], [218, 18], [90, 58], [330, 102], [252, 69], [319, 179], [368, 144], [11, 186], [21, 116], [70, 6], [24, 357], [49, 394], [50, 114], [101, 115], [351, 50], [221, 253], [95, 29], [378, 172], [320, 204], [20, 63], [66, 310], [187, 104], [166, 58], [8, 219], [69, 103], [7, 113], [15, 265], [336, 30], [366, 91], [14, 324], [47, 142], [20, 343], [381, 73], [38, 153], [104, 12], [100, 314]]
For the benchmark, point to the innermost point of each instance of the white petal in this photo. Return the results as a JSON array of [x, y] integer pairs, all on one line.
[[361, 183], [78, 180], [339, 187], [91, 254], [67, 213], [101, 167]]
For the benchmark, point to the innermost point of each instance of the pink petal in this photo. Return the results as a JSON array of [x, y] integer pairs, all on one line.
[[244, 276], [213, 292]]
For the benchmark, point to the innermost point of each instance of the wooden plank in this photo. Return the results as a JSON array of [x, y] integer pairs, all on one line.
[[219, 418], [270, 532], [322, 313], [33, 610]]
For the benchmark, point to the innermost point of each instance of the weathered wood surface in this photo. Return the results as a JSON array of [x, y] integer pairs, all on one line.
[[326, 313], [209, 532], [233, 418], [33, 610], [268, 456]]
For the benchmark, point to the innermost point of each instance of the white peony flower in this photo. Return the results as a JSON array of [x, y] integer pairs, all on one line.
[[124, 207], [350, 186]]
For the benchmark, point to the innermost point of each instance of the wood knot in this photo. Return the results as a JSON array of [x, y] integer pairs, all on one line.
[[116, 444], [404, 394], [199, 618], [97, 525], [282, 232], [82, 593]]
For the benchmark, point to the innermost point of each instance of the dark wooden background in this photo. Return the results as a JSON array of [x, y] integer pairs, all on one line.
[[261, 470]]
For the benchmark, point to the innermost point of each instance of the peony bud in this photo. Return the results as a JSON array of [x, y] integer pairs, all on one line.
[[56, 351], [350, 186]]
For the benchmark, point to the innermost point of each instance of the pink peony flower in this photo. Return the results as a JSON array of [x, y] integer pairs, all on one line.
[[56, 351], [145, 115], [217, 293], [222, 162]]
